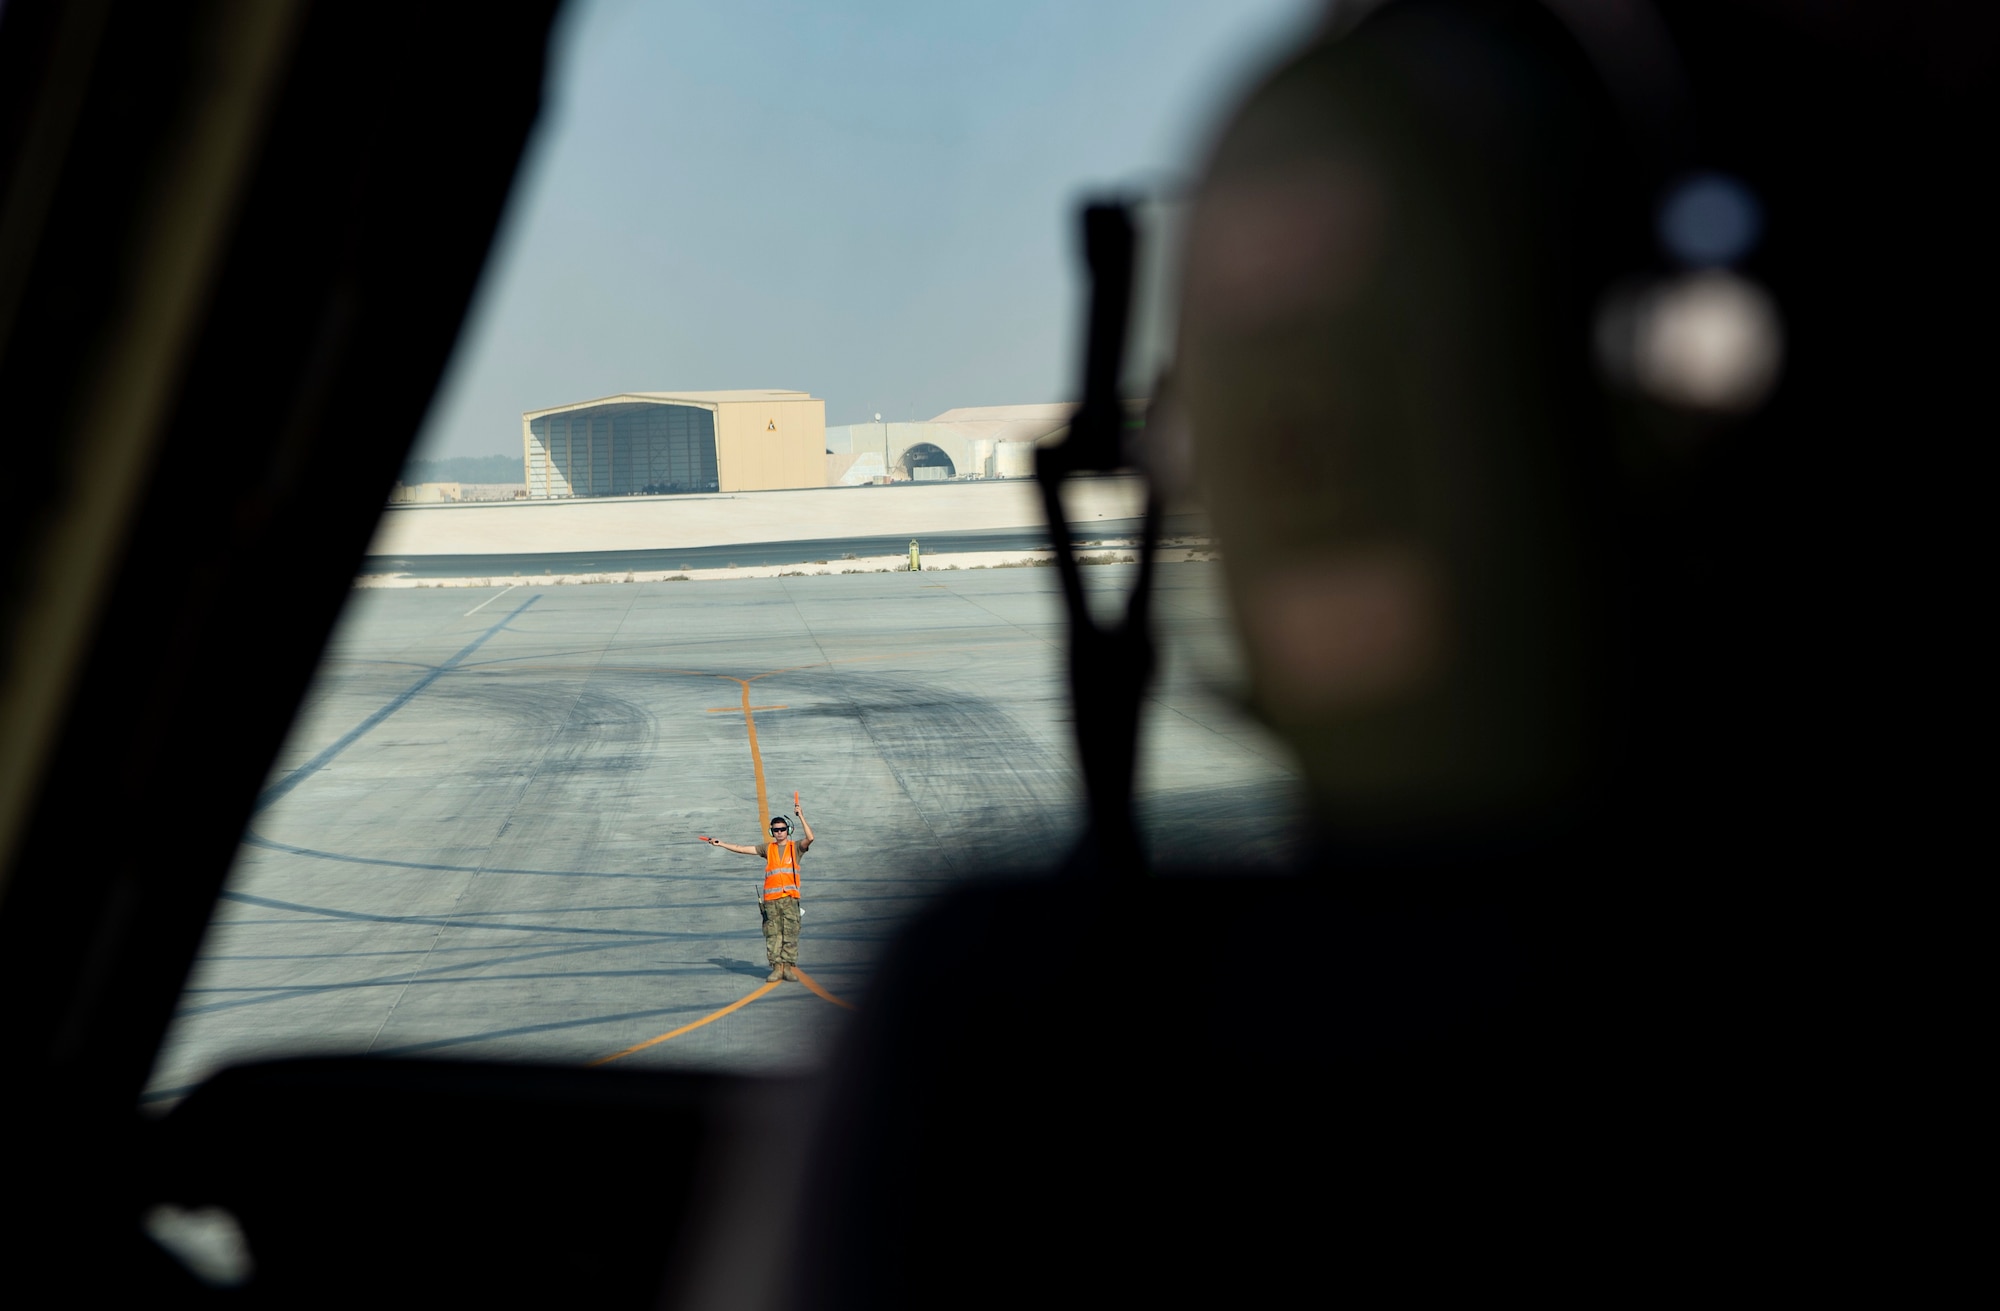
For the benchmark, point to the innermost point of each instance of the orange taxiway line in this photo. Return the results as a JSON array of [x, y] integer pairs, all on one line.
[[756, 756], [736, 1005], [810, 982], [763, 810]]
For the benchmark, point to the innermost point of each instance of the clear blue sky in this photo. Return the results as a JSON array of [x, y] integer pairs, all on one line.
[[869, 201]]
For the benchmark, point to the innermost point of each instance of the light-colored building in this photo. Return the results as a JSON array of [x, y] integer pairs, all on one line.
[[447, 493], [425, 493], [960, 443], [652, 442]]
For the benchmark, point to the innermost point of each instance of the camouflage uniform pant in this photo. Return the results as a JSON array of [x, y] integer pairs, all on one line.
[[781, 930]]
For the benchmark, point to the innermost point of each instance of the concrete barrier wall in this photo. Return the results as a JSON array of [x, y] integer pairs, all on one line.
[[639, 523]]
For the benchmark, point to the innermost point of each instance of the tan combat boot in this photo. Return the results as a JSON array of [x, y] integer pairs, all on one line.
[[792, 973], [777, 974]]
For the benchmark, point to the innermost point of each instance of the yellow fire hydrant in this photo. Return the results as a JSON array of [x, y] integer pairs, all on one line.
[[916, 558]]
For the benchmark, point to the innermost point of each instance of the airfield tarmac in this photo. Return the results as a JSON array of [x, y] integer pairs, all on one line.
[[480, 838]]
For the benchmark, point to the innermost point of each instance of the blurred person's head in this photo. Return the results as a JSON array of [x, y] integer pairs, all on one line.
[[1384, 366]]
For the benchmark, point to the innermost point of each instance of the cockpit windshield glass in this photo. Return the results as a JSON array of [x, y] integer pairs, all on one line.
[[709, 632]]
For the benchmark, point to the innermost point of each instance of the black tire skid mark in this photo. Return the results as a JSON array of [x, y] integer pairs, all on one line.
[[970, 769]]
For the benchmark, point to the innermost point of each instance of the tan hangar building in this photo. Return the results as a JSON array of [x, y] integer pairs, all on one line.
[[656, 443]]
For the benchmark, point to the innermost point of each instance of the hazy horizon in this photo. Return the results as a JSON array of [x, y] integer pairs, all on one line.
[[874, 204]]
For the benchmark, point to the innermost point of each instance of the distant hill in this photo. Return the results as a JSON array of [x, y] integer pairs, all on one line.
[[466, 469]]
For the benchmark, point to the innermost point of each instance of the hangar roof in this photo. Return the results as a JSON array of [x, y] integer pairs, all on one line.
[[1054, 413], [1019, 423], [705, 398]]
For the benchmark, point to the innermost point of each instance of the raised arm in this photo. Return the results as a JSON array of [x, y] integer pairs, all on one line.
[[802, 824], [729, 846]]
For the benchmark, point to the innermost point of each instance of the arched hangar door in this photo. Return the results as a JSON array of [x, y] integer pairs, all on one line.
[[925, 462]]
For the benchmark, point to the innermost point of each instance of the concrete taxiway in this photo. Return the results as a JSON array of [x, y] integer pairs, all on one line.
[[480, 839]]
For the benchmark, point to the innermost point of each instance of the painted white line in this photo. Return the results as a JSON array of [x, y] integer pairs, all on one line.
[[490, 600]]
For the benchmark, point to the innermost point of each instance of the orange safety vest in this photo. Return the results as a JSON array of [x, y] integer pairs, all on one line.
[[781, 870]]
